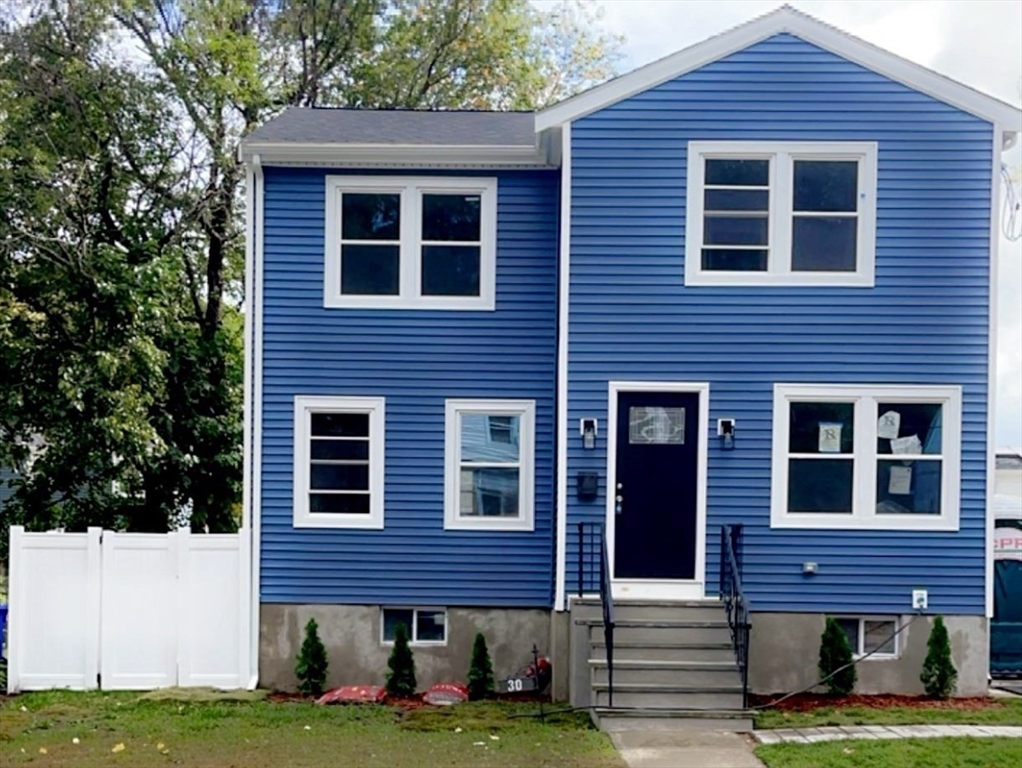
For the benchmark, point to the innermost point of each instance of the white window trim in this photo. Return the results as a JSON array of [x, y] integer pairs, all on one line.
[[526, 411], [304, 408], [866, 397], [859, 651], [782, 156], [413, 630], [411, 189]]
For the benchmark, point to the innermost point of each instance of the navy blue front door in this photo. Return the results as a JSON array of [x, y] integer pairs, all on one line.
[[655, 507]]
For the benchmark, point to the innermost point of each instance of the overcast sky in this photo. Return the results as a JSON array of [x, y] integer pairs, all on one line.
[[977, 42]]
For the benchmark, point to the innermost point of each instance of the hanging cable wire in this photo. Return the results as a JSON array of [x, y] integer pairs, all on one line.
[[1011, 216]]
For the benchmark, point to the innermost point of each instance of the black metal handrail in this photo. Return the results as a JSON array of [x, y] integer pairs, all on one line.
[[736, 604], [592, 544]]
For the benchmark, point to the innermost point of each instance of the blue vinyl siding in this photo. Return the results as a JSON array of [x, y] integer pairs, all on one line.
[[925, 322], [415, 359]]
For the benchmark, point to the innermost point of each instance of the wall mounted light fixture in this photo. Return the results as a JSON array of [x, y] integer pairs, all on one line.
[[726, 433], [588, 429]]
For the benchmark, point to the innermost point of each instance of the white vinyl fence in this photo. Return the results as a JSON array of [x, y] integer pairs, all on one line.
[[127, 611]]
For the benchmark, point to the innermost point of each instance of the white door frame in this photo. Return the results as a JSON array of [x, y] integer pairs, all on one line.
[[660, 589]]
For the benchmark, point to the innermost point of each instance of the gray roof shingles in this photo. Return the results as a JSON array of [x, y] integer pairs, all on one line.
[[397, 126]]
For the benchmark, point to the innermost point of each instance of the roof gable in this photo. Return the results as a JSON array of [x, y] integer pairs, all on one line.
[[784, 20]]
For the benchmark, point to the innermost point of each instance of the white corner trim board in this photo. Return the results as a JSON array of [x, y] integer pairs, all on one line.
[[563, 317], [783, 20], [991, 424], [252, 512]]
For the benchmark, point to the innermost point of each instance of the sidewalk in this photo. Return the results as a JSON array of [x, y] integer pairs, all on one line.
[[684, 747], [838, 733]]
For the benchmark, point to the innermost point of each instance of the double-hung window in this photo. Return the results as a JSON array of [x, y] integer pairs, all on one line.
[[338, 462], [490, 464], [768, 213], [869, 457], [410, 242]]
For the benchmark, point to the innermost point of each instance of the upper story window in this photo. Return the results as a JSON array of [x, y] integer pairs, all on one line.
[[490, 456], [780, 213], [338, 462], [868, 457], [399, 242]]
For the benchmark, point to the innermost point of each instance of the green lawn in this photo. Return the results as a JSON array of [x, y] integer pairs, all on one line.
[[126, 729], [905, 753], [999, 712]]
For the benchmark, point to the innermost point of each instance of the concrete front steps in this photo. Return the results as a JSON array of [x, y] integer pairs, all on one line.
[[674, 666]]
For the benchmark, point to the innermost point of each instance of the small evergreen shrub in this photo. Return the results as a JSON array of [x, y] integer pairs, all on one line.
[[401, 678], [312, 663], [835, 653], [480, 670], [939, 673]]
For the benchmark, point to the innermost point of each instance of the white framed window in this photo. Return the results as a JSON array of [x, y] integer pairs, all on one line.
[[871, 457], [426, 626], [781, 213], [876, 635], [403, 242], [489, 465], [338, 462]]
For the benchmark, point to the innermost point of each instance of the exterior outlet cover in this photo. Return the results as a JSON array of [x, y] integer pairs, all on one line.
[[920, 600]]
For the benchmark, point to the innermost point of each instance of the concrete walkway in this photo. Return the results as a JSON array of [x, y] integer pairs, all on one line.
[[688, 748], [838, 733], [715, 749]]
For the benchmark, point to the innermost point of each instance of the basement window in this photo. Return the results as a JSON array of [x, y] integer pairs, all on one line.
[[871, 635], [426, 626]]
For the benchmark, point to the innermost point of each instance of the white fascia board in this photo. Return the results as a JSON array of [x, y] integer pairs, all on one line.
[[418, 155], [783, 20]]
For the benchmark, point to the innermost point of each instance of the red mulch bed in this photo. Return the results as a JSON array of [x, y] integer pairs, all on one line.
[[805, 702], [284, 696], [415, 702]]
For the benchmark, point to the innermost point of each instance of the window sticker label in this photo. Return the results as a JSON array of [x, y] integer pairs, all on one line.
[[888, 425], [830, 437], [901, 481], [906, 445]]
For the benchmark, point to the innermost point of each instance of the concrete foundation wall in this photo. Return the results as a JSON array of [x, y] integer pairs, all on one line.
[[351, 634], [784, 649]]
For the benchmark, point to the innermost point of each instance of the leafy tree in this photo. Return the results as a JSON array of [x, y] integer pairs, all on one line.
[[939, 674], [401, 678], [312, 663], [480, 671], [836, 660], [121, 203]]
